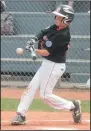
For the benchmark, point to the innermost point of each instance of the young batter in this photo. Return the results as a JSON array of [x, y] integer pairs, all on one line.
[[53, 45]]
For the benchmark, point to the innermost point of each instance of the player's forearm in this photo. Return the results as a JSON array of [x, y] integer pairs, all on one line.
[[42, 52]]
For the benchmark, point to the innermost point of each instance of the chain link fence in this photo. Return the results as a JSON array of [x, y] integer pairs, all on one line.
[[28, 18]]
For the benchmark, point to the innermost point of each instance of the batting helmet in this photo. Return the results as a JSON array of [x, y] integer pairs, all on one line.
[[66, 12]]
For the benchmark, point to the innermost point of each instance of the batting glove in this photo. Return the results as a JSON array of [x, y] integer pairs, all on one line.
[[30, 44]]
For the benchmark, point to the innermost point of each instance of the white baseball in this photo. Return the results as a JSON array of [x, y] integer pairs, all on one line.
[[19, 51]]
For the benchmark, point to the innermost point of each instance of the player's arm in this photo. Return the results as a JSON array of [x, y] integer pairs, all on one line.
[[30, 44], [40, 34], [37, 37], [44, 32], [42, 52], [50, 45]]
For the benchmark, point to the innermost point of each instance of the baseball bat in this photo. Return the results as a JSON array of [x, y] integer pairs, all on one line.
[[33, 54], [31, 50]]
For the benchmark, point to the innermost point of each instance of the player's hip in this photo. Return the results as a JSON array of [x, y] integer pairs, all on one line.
[[47, 64]]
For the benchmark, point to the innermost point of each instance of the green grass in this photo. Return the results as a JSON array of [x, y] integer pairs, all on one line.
[[12, 104], [8, 104]]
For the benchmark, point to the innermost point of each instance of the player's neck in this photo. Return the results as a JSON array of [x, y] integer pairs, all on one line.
[[61, 27]]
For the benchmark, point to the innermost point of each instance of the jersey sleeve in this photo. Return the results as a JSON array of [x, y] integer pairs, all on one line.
[[43, 32]]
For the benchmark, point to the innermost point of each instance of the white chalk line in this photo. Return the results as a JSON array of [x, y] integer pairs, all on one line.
[[7, 121]]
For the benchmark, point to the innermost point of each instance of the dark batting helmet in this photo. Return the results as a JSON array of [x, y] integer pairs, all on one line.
[[66, 12]]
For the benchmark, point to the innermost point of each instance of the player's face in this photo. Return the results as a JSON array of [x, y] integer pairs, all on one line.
[[58, 21]]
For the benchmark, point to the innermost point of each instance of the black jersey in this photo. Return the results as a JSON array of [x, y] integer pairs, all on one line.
[[56, 42]]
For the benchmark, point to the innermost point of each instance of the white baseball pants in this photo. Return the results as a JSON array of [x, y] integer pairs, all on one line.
[[45, 79]]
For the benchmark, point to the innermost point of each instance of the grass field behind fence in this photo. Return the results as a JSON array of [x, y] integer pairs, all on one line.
[[11, 104]]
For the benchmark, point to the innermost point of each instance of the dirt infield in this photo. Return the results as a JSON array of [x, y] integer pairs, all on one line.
[[46, 120]]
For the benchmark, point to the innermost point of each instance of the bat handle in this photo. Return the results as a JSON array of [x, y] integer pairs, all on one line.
[[33, 54]]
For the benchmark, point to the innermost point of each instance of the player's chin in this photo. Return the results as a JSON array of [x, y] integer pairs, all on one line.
[[57, 24]]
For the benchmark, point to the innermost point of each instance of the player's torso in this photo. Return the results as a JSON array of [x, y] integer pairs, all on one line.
[[60, 40]]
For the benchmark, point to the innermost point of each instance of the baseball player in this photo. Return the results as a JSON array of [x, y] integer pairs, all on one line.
[[53, 43]]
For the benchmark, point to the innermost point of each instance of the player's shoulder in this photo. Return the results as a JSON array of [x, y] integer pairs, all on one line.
[[51, 27]]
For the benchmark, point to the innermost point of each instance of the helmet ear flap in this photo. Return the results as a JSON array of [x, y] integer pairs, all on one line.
[[63, 20], [66, 21]]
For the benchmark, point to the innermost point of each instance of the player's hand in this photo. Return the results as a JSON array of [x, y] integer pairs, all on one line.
[[30, 44]]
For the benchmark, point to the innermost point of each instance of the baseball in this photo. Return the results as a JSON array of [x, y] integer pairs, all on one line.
[[19, 51]]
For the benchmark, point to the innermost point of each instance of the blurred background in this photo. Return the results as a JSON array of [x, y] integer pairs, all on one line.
[[22, 19]]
